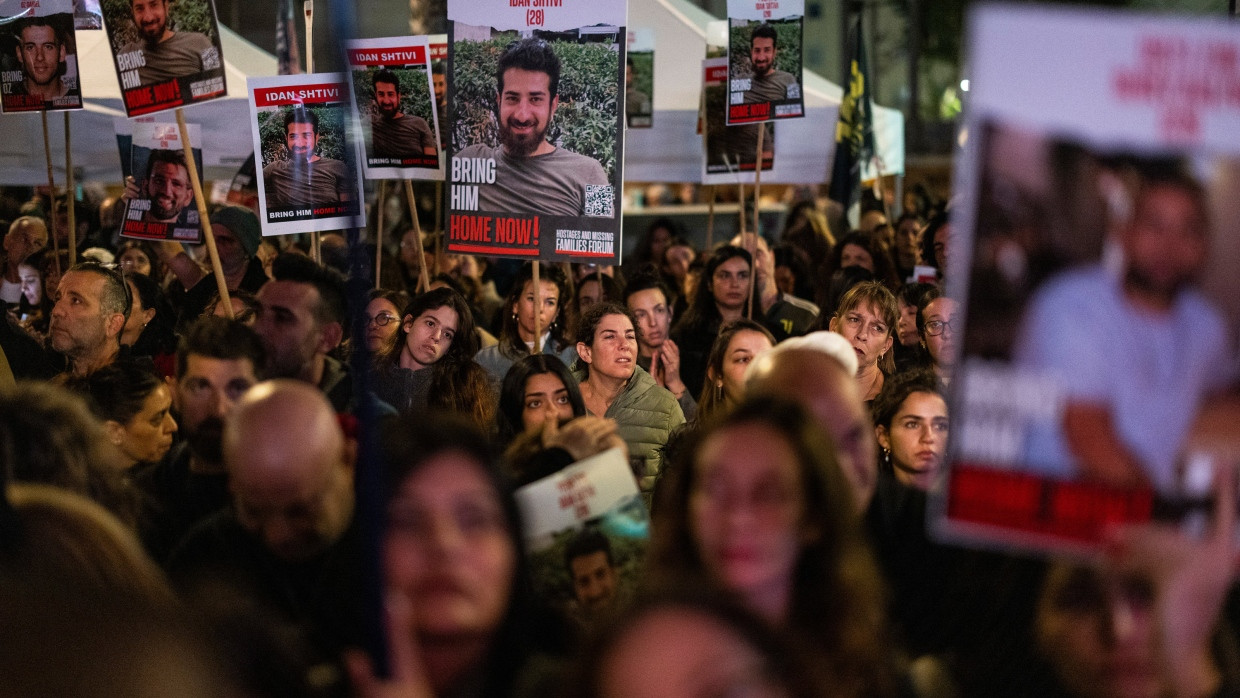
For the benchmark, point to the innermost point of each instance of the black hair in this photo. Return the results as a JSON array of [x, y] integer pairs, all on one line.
[[439, 68], [647, 278], [220, 338], [796, 260], [510, 343], [596, 313], [587, 541], [333, 303], [116, 392], [512, 392], [930, 295], [927, 240], [159, 335], [464, 342], [703, 313], [532, 54], [385, 75], [167, 156], [301, 115], [765, 31], [896, 390]]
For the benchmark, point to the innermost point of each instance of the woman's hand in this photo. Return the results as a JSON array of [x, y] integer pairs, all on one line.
[[408, 676]]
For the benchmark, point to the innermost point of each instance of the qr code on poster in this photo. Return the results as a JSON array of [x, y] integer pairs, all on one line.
[[210, 58], [600, 201]]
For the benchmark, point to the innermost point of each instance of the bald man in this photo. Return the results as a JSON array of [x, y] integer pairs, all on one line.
[[288, 542]]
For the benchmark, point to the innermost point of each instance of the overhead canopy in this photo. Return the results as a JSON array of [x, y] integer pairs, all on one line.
[[671, 152], [225, 130]]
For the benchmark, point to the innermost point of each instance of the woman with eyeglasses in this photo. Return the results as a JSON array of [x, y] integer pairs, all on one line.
[[937, 326], [383, 317], [867, 318]]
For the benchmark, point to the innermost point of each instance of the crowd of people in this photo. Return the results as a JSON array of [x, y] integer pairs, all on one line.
[[184, 506]]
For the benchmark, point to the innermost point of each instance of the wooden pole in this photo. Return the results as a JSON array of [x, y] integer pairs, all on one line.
[[710, 220], [203, 218], [440, 232], [51, 185], [380, 205], [316, 247], [537, 311], [740, 202], [424, 281], [757, 190], [72, 193]]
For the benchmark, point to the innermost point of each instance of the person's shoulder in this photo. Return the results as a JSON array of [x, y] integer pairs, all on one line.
[[784, 76], [589, 170], [800, 304], [194, 40], [479, 150]]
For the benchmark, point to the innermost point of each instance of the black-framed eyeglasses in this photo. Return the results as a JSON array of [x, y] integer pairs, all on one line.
[[382, 319], [935, 328]]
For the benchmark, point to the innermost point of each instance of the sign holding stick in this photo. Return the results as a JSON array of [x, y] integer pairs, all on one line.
[[710, 219], [379, 232], [764, 60], [216, 268], [316, 252], [72, 197], [394, 105], [164, 207], [537, 314], [46, 75], [424, 282], [51, 187], [757, 230]]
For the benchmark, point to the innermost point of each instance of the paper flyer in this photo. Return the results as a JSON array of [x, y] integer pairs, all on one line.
[[165, 208], [639, 79], [1094, 257], [308, 176], [536, 166], [764, 60], [586, 529], [41, 73], [731, 151], [166, 55], [394, 102]]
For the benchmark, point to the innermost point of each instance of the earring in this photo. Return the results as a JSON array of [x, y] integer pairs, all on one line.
[[887, 457], [719, 392]]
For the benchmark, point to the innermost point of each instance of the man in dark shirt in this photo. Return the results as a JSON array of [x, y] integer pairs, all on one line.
[[768, 84], [439, 80], [532, 176], [305, 178], [396, 135], [166, 54]]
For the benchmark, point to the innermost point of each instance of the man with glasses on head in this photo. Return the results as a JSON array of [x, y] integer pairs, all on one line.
[[1133, 354], [26, 236], [92, 305], [532, 175]]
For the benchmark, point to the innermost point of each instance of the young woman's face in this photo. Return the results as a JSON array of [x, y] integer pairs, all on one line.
[[545, 398], [941, 346], [906, 326], [730, 284], [917, 439], [147, 437], [742, 349], [589, 293], [429, 336], [746, 509], [32, 283], [382, 321], [549, 301], [449, 550], [856, 256], [135, 261], [614, 351], [866, 331]]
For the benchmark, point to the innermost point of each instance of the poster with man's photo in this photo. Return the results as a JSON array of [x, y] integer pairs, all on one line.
[[764, 60], [38, 57], [586, 530], [393, 101], [537, 130], [639, 79], [731, 151], [439, 85], [308, 170], [167, 54], [1093, 261], [164, 208]]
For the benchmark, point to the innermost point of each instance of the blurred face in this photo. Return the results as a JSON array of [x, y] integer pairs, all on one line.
[[284, 320], [654, 318], [942, 347], [762, 55], [730, 284], [679, 257], [429, 336], [138, 317], [448, 548], [660, 238], [589, 292], [382, 322], [169, 188], [594, 581], [742, 349], [908, 236], [614, 351], [40, 54], [917, 439], [151, 18], [1099, 634], [856, 256], [549, 302], [32, 284], [525, 110], [441, 87], [147, 437], [1165, 245], [745, 510], [785, 280], [297, 512], [942, 245], [866, 330], [24, 240], [387, 99], [906, 326], [134, 261], [545, 398], [710, 660], [301, 140], [232, 253], [206, 393]]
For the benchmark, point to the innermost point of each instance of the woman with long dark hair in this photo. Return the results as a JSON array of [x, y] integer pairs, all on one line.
[[722, 295], [516, 336]]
